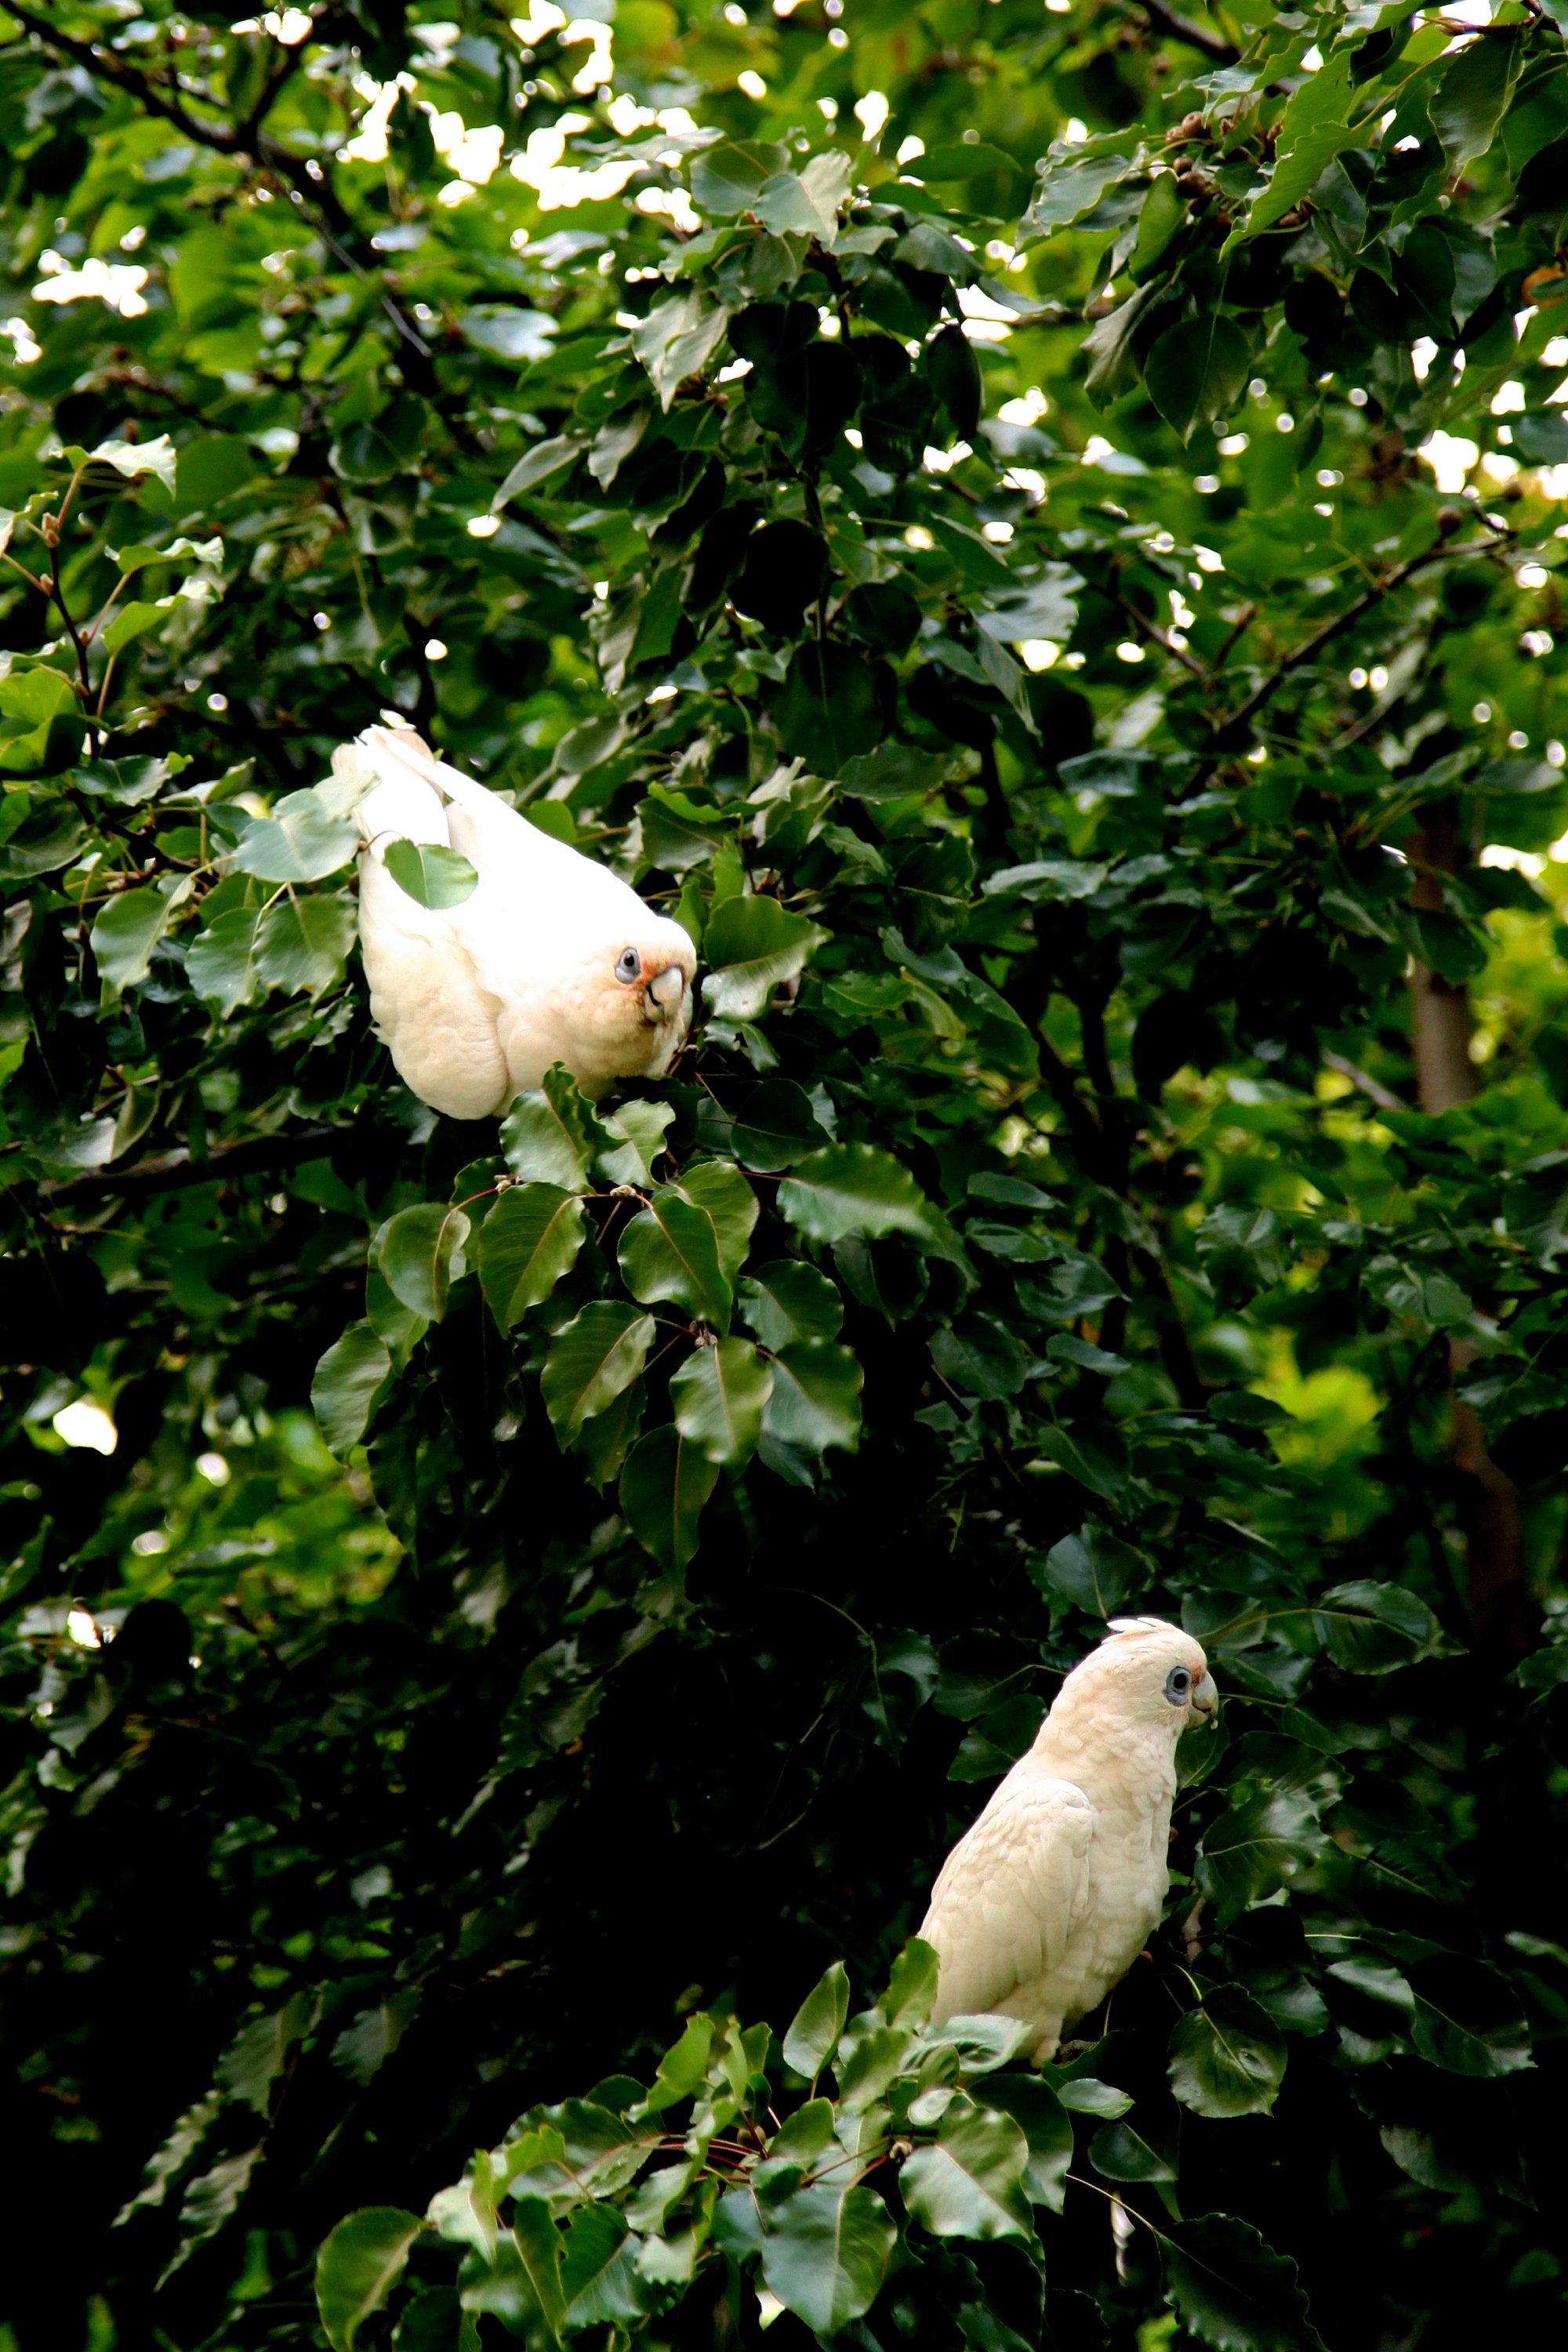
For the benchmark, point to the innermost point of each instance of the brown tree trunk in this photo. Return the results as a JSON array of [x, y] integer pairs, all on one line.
[[1501, 1608]]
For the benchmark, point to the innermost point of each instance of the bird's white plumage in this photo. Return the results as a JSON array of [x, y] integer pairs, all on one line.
[[1045, 1902], [476, 1001]]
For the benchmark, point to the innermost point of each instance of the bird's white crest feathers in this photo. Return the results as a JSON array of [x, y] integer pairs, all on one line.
[[1115, 1625]]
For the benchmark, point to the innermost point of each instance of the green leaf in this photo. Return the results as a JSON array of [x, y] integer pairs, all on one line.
[[726, 178], [551, 1135], [752, 944], [1071, 183], [133, 620], [1374, 1629], [1197, 371], [776, 1123], [1095, 1568], [788, 1299], [348, 1380], [1236, 2293], [134, 458], [598, 2277], [432, 876], [364, 2047], [221, 963], [832, 707], [539, 2248], [1314, 127], [677, 339], [254, 2059], [911, 1992], [300, 842], [528, 1241], [854, 1188], [435, 2321], [815, 1397], [724, 1191], [1541, 437], [670, 1250], [596, 1356], [825, 2251], [1255, 1846], [981, 1356], [643, 1124], [663, 1486], [718, 1396], [1119, 2152], [1468, 2018], [1112, 346], [805, 202], [1046, 2127], [1472, 98], [1226, 2058], [683, 2069], [603, 1441], [537, 464], [129, 925], [813, 2035], [358, 2266], [419, 1254], [302, 943], [969, 2183]]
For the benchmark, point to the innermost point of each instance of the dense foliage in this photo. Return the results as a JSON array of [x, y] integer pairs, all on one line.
[[935, 499]]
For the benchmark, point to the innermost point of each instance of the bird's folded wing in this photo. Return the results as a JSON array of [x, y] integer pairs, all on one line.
[[1010, 1892], [551, 891], [401, 806]]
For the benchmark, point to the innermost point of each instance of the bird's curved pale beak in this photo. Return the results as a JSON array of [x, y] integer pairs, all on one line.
[[665, 990], [1205, 1698]]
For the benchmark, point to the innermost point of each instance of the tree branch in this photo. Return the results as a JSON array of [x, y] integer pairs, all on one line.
[[172, 1171], [1161, 638], [1180, 29], [1311, 646], [1374, 1089]]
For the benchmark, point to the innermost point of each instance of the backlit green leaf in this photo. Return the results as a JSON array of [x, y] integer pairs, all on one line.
[[598, 1355], [358, 2265], [718, 1396], [530, 1239]]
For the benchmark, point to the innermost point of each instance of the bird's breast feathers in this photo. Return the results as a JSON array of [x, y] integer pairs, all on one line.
[[1042, 1906]]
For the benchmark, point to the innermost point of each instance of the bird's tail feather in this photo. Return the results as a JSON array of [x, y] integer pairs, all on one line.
[[400, 749], [404, 804]]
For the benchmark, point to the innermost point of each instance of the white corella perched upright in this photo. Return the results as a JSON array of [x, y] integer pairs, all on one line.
[[1046, 1902], [552, 958]]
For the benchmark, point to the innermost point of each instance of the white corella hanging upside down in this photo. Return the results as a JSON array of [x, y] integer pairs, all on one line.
[[1046, 1903], [552, 958]]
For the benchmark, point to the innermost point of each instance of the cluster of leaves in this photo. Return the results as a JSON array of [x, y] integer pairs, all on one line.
[[1000, 611], [781, 2207]]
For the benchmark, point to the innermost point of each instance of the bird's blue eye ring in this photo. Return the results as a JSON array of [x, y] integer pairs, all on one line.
[[629, 965], [1178, 1683]]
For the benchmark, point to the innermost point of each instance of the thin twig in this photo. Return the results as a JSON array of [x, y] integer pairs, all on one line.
[[1180, 29], [1374, 1090], [1311, 646], [1161, 637]]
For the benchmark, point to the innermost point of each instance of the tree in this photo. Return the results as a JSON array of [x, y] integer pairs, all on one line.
[[1034, 535]]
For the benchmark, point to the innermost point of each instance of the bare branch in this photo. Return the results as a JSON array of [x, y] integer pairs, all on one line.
[[1181, 28], [1311, 646], [1374, 1089], [172, 1171]]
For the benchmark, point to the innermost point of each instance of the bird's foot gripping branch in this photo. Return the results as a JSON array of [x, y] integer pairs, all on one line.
[[869, 2168]]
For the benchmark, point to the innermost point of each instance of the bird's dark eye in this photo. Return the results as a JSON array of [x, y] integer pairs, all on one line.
[[1178, 1684], [629, 965]]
